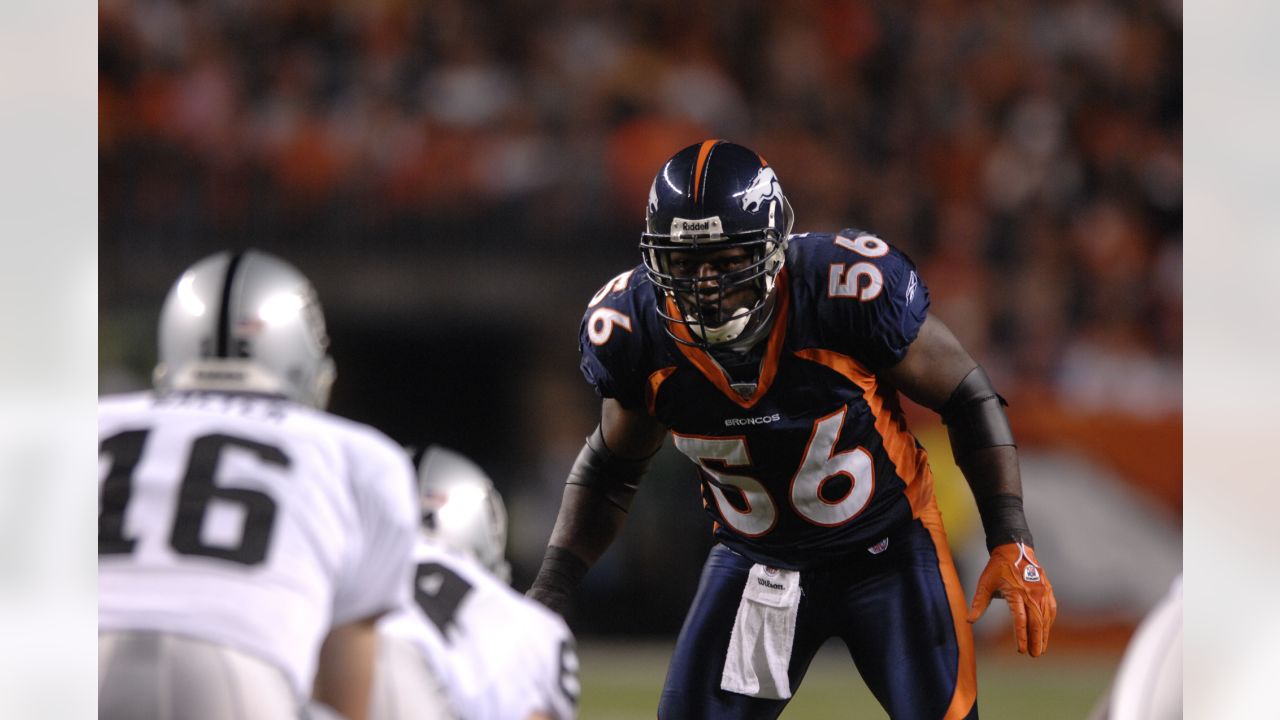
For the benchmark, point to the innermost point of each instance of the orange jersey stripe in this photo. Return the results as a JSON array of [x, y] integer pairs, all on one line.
[[656, 378], [899, 443], [966, 692], [769, 367], [704, 152]]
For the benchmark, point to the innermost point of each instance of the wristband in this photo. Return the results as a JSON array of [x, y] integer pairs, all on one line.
[[1004, 521], [558, 577]]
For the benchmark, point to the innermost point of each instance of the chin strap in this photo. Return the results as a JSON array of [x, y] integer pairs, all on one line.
[[754, 332]]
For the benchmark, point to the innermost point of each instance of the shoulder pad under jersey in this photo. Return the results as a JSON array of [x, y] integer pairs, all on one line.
[[856, 294]]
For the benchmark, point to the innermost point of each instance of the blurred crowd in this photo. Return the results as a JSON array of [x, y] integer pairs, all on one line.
[[1027, 155]]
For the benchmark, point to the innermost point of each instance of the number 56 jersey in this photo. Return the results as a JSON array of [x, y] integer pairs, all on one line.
[[248, 521], [813, 461]]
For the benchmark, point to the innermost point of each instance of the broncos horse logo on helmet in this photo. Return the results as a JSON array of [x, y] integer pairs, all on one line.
[[764, 187], [709, 197]]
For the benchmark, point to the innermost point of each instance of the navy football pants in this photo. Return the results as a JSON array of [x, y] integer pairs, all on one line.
[[900, 613]]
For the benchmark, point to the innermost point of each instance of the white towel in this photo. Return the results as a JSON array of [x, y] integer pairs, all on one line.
[[760, 644]]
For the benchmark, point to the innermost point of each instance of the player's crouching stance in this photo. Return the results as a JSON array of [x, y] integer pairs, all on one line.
[[248, 541], [774, 361], [469, 644]]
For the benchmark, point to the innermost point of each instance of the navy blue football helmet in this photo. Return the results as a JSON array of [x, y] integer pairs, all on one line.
[[710, 197]]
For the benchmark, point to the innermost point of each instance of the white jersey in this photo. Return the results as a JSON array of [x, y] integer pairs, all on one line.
[[1148, 684], [495, 654], [247, 521]]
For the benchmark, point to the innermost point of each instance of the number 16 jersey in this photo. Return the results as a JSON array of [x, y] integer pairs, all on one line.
[[248, 521], [814, 460]]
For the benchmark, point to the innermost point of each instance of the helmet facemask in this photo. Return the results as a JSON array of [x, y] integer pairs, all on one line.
[[673, 261], [708, 304]]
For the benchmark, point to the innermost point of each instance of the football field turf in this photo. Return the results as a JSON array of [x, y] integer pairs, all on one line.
[[622, 681]]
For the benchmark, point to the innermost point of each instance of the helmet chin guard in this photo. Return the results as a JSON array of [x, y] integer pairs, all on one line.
[[711, 197], [721, 334]]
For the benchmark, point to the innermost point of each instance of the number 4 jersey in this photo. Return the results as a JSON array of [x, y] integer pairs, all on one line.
[[471, 643], [248, 521], [813, 460]]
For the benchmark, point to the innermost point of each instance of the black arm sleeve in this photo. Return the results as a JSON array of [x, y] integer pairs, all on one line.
[[974, 415], [599, 469], [983, 446], [597, 494]]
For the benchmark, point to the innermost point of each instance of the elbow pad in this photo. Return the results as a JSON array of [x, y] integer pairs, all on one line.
[[599, 469], [974, 416]]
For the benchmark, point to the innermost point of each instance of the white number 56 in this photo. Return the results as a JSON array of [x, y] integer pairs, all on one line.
[[821, 465]]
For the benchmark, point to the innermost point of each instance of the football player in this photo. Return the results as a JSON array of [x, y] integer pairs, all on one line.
[[248, 541], [774, 362], [469, 646]]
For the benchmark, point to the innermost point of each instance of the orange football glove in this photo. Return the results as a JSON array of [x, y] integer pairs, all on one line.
[[1013, 574]]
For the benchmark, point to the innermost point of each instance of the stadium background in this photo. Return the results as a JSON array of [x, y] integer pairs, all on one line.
[[458, 178]]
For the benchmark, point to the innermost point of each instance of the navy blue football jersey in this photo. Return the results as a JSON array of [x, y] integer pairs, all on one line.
[[817, 461]]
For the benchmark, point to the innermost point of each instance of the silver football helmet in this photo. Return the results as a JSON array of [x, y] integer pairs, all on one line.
[[244, 322], [462, 510]]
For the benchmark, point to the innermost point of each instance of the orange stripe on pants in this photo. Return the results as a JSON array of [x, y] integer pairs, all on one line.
[[966, 692]]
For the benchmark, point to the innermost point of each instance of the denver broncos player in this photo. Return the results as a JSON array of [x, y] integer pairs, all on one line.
[[774, 361]]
